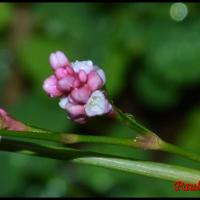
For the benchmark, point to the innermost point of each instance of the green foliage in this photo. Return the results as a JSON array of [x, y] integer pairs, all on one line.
[[6, 14], [171, 63]]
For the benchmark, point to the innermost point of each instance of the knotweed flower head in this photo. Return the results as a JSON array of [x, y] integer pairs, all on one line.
[[79, 86]]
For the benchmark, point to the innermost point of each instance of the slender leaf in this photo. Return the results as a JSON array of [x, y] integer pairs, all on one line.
[[146, 168]]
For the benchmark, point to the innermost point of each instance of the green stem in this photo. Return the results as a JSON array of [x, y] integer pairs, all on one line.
[[75, 138], [35, 129], [129, 120], [145, 168], [147, 139], [67, 138], [152, 142], [167, 147], [31, 135]]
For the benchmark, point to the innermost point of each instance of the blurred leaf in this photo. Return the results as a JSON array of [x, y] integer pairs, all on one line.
[[171, 63], [10, 172], [5, 61], [188, 138], [115, 69], [155, 93], [6, 15]]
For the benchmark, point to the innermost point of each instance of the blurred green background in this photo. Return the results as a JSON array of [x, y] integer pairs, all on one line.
[[150, 53]]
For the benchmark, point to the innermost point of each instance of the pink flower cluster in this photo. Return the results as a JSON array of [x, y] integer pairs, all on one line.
[[78, 85], [8, 123]]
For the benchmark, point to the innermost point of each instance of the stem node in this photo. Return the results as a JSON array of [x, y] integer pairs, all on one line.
[[69, 138], [150, 141]]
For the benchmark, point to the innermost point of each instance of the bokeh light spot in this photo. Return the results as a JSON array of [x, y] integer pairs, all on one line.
[[178, 11]]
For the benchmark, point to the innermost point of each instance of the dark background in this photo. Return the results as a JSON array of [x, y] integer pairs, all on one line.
[[151, 55]]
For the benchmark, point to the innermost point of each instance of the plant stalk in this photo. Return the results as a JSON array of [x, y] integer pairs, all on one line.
[[151, 141]]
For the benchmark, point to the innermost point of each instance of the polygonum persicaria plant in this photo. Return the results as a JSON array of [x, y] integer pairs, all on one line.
[[79, 85]]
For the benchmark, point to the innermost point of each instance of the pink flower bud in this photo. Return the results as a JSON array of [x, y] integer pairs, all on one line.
[[75, 110], [50, 87], [58, 59], [76, 83], [61, 72], [66, 83], [94, 81], [70, 70], [81, 95], [82, 76], [9, 123]]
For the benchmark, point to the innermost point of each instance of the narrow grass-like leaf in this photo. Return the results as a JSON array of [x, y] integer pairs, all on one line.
[[145, 168]]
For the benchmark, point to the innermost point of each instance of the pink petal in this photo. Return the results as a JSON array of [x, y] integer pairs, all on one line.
[[58, 59], [82, 76], [61, 72], [76, 83], [53, 61], [70, 70], [75, 110], [62, 59], [66, 84], [50, 87], [81, 95], [94, 81]]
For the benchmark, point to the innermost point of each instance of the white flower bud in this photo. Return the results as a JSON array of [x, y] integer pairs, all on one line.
[[97, 104], [86, 66], [63, 102]]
